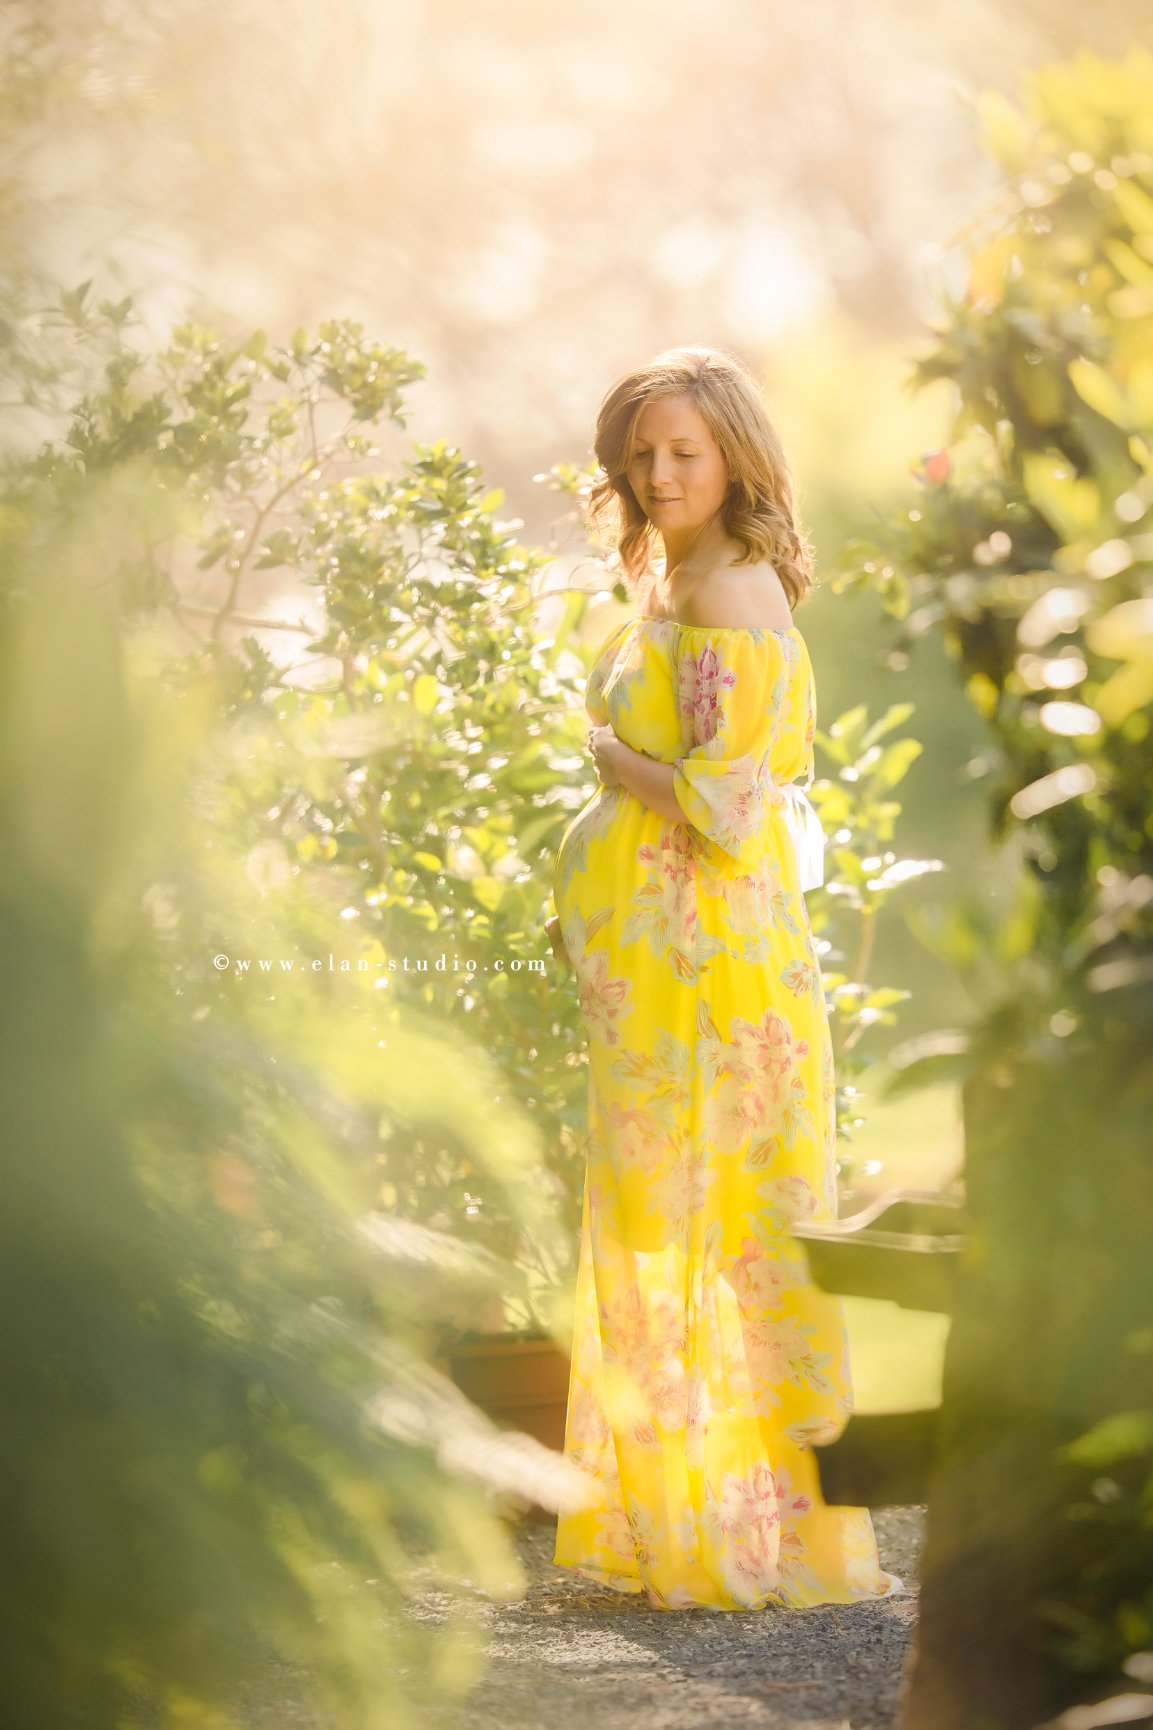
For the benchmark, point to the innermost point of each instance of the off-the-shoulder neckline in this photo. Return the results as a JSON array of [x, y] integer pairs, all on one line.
[[653, 619]]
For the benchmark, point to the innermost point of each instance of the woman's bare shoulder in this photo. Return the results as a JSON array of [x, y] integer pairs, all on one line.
[[735, 595]]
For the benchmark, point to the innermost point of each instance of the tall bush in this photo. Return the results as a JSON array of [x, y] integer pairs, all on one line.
[[420, 773], [1030, 550]]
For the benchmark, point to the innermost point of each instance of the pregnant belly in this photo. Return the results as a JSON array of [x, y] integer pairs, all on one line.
[[583, 844]]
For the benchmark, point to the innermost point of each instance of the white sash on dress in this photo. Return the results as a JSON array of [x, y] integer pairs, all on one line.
[[808, 836]]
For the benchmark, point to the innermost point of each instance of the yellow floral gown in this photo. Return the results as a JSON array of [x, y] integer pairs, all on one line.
[[705, 1363]]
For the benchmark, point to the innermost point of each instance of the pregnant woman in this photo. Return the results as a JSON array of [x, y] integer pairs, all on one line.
[[705, 1363]]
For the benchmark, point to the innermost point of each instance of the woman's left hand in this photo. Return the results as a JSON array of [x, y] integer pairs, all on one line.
[[605, 747], [556, 940]]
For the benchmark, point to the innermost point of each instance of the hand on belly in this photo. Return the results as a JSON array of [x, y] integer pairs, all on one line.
[[603, 743]]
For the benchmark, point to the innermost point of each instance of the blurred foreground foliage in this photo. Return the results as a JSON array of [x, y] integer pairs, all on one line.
[[1030, 551], [224, 1444]]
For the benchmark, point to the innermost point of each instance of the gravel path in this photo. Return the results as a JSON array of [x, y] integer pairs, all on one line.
[[574, 1656]]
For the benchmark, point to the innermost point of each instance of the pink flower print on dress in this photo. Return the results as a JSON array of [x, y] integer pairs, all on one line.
[[760, 1281], [639, 1141], [603, 998], [701, 681]]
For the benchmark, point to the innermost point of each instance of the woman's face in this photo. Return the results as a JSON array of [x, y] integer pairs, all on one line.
[[677, 473]]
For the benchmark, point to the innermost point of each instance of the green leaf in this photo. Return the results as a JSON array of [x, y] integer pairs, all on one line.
[[896, 761], [1100, 390], [894, 715], [1120, 1436], [884, 996], [425, 693], [489, 891], [1134, 206], [72, 300], [1070, 504], [835, 748], [849, 723]]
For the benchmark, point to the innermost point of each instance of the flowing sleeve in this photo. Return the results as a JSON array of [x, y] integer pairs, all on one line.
[[731, 685], [804, 824], [809, 771]]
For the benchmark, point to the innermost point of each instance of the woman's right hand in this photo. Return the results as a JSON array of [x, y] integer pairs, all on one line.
[[604, 744]]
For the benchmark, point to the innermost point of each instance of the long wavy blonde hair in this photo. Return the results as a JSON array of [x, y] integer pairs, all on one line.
[[759, 506]]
